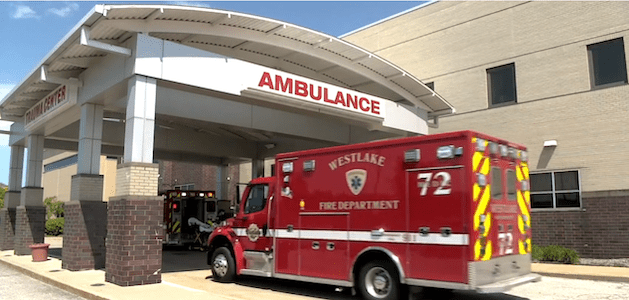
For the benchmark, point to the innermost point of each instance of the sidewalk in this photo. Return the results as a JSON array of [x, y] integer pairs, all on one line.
[[180, 285], [617, 274]]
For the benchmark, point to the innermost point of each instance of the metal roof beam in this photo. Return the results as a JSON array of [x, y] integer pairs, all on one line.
[[322, 42], [156, 13], [220, 19], [86, 41], [45, 76], [276, 29], [81, 62]]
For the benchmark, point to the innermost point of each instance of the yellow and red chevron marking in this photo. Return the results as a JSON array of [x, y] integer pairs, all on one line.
[[524, 203], [481, 165]]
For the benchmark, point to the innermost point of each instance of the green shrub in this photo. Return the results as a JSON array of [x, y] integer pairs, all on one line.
[[55, 226], [537, 253], [54, 208], [555, 253]]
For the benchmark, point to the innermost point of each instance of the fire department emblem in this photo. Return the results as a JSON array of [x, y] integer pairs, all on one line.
[[356, 180], [253, 232]]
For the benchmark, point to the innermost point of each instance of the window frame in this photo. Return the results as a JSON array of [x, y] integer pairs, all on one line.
[[592, 72], [490, 95], [184, 187], [553, 192]]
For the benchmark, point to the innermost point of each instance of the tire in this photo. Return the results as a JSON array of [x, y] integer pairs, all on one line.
[[379, 280], [223, 265]]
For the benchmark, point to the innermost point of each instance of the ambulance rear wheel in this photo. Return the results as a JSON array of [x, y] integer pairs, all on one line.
[[379, 280], [223, 265]]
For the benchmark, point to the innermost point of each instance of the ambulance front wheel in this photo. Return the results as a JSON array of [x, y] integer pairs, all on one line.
[[223, 265], [378, 280]]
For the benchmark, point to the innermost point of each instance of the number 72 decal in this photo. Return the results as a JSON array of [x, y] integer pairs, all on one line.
[[440, 180]]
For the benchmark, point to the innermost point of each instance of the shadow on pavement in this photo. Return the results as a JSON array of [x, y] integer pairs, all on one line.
[[180, 259]]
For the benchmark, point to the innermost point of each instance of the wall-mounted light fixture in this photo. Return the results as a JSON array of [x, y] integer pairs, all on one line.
[[550, 143]]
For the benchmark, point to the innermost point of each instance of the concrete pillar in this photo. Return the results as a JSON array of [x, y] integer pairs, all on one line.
[[86, 213], [257, 168], [11, 199], [135, 214], [30, 217]]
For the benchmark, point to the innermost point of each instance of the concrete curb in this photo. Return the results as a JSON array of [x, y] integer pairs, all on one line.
[[55, 283], [585, 277]]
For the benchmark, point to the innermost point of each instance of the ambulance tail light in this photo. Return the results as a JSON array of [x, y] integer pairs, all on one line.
[[481, 179], [413, 155], [524, 156], [176, 206], [524, 185], [480, 145]]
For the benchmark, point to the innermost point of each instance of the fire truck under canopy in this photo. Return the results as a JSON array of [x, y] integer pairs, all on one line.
[[203, 70]]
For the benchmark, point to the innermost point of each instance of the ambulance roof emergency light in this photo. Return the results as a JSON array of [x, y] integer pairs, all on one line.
[[449, 152], [413, 155], [287, 167]]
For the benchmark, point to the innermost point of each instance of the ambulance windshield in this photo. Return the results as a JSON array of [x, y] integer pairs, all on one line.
[[256, 198]]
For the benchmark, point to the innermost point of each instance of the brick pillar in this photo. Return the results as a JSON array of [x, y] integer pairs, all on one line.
[[7, 228], [84, 235], [30, 222], [134, 244]]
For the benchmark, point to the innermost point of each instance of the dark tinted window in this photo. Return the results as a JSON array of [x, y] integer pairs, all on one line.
[[496, 183], [566, 181], [511, 188], [541, 182], [542, 201], [501, 83], [607, 60]]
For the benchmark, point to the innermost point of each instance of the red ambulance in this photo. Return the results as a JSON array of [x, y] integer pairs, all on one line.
[[447, 210]]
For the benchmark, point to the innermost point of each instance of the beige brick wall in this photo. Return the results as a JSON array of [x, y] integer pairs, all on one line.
[[454, 43], [137, 179]]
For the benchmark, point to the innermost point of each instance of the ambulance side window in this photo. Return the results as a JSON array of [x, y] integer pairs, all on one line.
[[256, 198], [496, 183]]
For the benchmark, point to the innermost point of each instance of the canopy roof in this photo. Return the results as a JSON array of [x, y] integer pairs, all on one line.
[[259, 40]]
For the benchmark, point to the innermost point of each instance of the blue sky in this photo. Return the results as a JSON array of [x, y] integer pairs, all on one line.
[[30, 30]]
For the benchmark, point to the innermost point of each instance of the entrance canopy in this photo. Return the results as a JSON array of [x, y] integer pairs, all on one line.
[[227, 74]]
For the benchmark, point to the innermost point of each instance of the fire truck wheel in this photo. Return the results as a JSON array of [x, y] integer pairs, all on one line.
[[378, 280], [223, 265]]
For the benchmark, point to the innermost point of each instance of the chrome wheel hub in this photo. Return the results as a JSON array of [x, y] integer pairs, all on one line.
[[220, 265], [378, 282]]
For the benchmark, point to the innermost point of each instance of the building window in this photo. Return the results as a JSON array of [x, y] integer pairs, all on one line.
[[185, 187], [555, 190], [607, 63], [501, 85], [62, 163]]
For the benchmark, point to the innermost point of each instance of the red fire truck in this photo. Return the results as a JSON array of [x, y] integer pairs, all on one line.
[[447, 210]]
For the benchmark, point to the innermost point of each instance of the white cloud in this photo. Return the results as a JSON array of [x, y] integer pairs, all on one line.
[[64, 12], [24, 12]]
